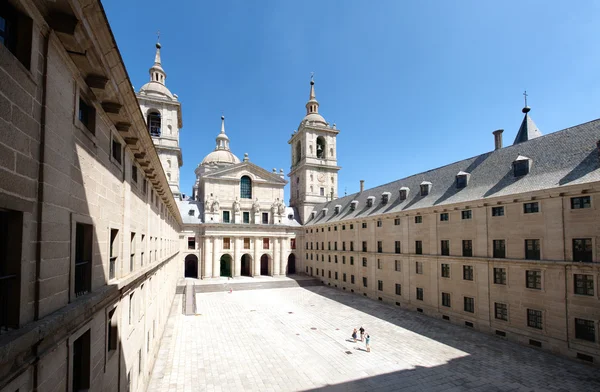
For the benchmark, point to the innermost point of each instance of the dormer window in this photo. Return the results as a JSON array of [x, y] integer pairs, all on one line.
[[324, 211], [370, 201], [425, 188], [338, 208], [313, 214], [291, 216], [353, 205], [385, 197], [462, 179], [521, 166], [403, 193], [191, 212]]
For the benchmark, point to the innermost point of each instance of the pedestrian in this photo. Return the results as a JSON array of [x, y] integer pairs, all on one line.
[[367, 342], [354, 335], [362, 333]]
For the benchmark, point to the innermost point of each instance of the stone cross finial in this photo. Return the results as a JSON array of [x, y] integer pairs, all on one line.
[[525, 95]]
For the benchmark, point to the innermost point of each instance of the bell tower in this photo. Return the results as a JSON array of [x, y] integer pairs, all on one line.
[[314, 171]]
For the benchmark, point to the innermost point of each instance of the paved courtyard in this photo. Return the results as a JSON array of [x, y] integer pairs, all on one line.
[[297, 339]]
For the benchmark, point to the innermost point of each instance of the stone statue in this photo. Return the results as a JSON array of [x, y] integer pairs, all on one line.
[[256, 206], [281, 208], [236, 205], [215, 205]]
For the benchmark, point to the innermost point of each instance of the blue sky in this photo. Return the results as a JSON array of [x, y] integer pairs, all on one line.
[[411, 85]]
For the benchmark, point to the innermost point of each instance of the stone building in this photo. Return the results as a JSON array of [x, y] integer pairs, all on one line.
[[89, 229], [507, 242]]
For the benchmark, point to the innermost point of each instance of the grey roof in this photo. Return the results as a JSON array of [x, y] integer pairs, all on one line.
[[558, 159], [528, 129], [185, 206]]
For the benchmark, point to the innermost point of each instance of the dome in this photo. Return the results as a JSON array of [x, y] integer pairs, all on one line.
[[156, 89], [314, 118], [220, 156]]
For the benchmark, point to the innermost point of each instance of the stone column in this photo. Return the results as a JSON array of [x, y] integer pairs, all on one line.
[[276, 256], [256, 256], [216, 272], [237, 262], [282, 253], [206, 262]]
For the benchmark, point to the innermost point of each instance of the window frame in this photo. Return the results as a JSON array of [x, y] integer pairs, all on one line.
[[534, 279], [245, 187], [535, 318], [469, 304], [85, 220], [500, 309]]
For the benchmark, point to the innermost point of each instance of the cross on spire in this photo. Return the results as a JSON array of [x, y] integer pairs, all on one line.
[[525, 95], [158, 36], [312, 76]]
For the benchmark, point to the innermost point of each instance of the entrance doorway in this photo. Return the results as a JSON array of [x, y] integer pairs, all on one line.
[[191, 266], [264, 265], [291, 268], [246, 265], [226, 265]]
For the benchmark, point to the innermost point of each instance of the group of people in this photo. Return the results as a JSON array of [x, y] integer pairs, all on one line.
[[366, 339]]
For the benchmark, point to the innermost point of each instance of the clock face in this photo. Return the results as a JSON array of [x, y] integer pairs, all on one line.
[[321, 177]]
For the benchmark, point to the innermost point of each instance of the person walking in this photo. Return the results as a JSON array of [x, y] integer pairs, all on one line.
[[362, 333], [367, 343], [354, 335]]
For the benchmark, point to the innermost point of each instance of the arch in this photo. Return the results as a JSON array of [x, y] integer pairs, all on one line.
[[191, 266], [265, 265], [169, 176], [225, 265], [245, 187], [291, 264], [246, 266], [321, 147], [298, 151], [168, 163], [154, 122]]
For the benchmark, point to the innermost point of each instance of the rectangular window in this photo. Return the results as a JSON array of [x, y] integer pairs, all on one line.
[[225, 216], [397, 265], [499, 275], [364, 225], [469, 305], [379, 246], [81, 363], [113, 249], [397, 222], [585, 330], [322, 191], [380, 285], [292, 243], [467, 272], [497, 211], [134, 173], [11, 229], [582, 249], [351, 226], [398, 289], [444, 217], [467, 214], [533, 279], [111, 331], [351, 260], [246, 217], [265, 243], [379, 223], [87, 116], [329, 274], [499, 249], [364, 246], [445, 245], [419, 294], [336, 275], [501, 311], [419, 267], [534, 318], [445, 270], [343, 259], [145, 186], [379, 264], [365, 282], [226, 243], [418, 219], [419, 247], [580, 202], [265, 218], [344, 276], [532, 249], [584, 284], [344, 245], [117, 150], [467, 248], [424, 189], [531, 208], [364, 261], [329, 245], [132, 252], [402, 194], [352, 279], [83, 258], [335, 245], [131, 310], [446, 299], [191, 242], [343, 227], [351, 246], [335, 258], [397, 249]]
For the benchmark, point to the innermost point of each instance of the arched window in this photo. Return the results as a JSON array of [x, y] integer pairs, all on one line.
[[154, 123], [169, 176], [298, 152], [169, 163], [321, 147], [246, 188]]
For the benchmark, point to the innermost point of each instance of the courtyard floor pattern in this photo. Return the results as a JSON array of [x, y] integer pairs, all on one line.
[[298, 339]]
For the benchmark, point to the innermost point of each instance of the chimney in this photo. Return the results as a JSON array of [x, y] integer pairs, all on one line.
[[498, 139], [362, 185]]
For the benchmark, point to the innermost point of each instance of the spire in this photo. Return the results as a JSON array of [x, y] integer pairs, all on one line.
[[157, 73], [312, 106], [222, 139], [528, 129]]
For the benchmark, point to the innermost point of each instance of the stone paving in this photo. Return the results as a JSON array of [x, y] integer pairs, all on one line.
[[298, 339]]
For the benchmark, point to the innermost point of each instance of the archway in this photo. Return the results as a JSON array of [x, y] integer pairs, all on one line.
[[246, 265], [291, 265], [264, 265], [226, 265], [191, 266]]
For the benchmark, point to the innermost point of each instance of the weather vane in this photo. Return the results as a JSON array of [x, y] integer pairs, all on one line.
[[525, 95], [157, 35], [312, 76]]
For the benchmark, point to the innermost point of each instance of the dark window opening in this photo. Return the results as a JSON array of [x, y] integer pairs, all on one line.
[[534, 318], [497, 211], [87, 115], [16, 33], [521, 168], [532, 249], [265, 218], [582, 249], [246, 217], [533, 279], [499, 249], [469, 304], [11, 228], [154, 124], [113, 253], [117, 152], [83, 258], [81, 363], [461, 181], [585, 330], [467, 248], [445, 247], [531, 208], [245, 188], [580, 202]]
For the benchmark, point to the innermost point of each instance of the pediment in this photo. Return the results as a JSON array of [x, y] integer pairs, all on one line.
[[256, 173]]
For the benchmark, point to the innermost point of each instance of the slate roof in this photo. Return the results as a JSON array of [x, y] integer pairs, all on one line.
[[558, 159], [184, 209]]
